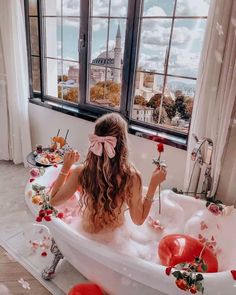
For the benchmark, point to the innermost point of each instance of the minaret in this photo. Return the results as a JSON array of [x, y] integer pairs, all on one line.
[[117, 57]]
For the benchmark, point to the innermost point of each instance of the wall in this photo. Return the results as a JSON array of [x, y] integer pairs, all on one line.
[[44, 124]]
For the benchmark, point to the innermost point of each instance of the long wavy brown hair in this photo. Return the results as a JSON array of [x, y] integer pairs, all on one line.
[[105, 182]]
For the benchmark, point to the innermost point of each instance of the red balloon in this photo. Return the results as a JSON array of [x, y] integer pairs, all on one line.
[[177, 248], [86, 289]]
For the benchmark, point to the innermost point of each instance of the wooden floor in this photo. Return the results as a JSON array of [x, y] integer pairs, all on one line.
[[10, 272]]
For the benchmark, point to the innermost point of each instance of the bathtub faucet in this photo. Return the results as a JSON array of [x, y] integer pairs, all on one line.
[[203, 159]]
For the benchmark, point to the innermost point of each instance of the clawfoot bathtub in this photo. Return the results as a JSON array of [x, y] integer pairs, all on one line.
[[130, 266]]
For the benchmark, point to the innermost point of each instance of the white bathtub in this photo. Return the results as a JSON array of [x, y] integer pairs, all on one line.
[[121, 274]]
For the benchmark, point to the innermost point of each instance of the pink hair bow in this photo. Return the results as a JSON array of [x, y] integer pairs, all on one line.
[[97, 148]]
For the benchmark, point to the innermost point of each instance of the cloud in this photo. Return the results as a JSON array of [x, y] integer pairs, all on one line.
[[118, 7], [192, 7], [155, 11]]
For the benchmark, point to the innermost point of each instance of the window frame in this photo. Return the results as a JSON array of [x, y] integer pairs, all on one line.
[[132, 39]]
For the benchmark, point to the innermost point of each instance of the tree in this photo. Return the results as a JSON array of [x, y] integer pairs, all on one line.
[[164, 117], [155, 101], [180, 107], [108, 90], [189, 106], [168, 104], [72, 94], [140, 100]]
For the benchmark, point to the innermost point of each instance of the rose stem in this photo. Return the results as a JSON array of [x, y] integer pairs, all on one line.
[[159, 158]]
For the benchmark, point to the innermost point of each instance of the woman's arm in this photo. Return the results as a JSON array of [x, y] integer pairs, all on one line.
[[139, 207], [63, 189]]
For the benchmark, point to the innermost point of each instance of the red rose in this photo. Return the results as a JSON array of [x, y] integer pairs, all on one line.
[[182, 284], [168, 270], [44, 254], [31, 179], [233, 273], [39, 219], [193, 289], [49, 212], [160, 147], [60, 215], [47, 218], [214, 209]]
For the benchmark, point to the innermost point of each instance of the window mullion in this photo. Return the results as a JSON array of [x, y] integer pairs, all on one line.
[[130, 55], [41, 47], [83, 50]]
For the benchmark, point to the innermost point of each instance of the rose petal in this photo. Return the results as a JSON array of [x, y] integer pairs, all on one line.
[[233, 273]]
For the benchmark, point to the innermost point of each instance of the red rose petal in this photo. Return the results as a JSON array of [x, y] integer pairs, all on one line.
[[39, 219], [160, 147], [60, 215], [47, 218], [168, 270], [233, 273], [31, 179], [44, 254], [49, 212], [55, 166]]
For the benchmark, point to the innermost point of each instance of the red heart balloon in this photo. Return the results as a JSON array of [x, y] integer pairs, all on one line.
[[177, 248], [86, 289]]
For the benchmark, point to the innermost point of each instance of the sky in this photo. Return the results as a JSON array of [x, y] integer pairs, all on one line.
[[187, 38]]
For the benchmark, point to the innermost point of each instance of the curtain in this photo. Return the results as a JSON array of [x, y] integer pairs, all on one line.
[[216, 86], [15, 141]]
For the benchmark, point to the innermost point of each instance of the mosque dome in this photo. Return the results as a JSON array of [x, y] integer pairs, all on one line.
[[105, 58]]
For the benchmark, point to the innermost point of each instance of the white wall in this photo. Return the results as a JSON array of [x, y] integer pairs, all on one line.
[[44, 124]]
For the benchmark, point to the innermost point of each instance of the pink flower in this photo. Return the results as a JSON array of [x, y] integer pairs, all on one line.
[[34, 172], [214, 209]]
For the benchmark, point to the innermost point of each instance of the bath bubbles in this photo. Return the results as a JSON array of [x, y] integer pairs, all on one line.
[[125, 281]]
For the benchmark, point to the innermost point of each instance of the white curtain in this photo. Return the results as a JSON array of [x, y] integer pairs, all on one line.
[[15, 141], [216, 87]]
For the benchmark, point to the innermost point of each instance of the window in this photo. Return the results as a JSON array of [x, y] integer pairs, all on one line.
[[136, 57]]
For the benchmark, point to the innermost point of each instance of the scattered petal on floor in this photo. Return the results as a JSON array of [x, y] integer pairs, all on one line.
[[24, 284]]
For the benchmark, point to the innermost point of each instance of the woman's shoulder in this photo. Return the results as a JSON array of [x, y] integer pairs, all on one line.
[[135, 174]]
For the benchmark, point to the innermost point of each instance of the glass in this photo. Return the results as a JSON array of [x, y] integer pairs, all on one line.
[[53, 77], [181, 91], [69, 83], [147, 99], [33, 9], [154, 40], [53, 45], [52, 7], [158, 7], [70, 38], [119, 8], [192, 7], [34, 41], [116, 42], [104, 91], [36, 74], [98, 40], [70, 8], [186, 47], [100, 8]]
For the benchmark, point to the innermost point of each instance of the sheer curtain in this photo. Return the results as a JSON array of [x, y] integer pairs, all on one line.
[[15, 141], [216, 88]]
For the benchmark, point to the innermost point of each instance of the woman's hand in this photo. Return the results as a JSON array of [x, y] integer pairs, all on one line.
[[158, 176], [70, 158]]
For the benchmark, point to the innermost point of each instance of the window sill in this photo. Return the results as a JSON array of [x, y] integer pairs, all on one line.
[[134, 129]]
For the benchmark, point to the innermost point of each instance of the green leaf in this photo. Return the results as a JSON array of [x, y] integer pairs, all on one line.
[[177, 274], [208, 203], [199, 277], [204, 267]]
